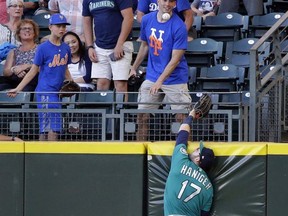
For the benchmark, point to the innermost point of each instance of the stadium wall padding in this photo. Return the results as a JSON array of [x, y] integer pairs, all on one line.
[[128, 179], [239, 177], [277, 189], [11, 178]]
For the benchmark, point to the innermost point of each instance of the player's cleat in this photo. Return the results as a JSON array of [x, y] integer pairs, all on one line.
[[202, 107]]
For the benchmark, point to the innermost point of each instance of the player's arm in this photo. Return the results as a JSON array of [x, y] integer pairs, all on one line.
[[185, 128]]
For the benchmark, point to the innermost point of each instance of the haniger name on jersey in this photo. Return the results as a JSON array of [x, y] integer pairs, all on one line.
[[201, 178]]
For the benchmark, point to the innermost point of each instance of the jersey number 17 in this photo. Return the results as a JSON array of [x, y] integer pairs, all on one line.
[[184, 186]]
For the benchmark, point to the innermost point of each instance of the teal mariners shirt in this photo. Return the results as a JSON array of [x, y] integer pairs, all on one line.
[[188, 190]]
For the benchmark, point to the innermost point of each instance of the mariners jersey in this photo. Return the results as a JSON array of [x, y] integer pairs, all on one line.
[[107, 20], [162, 39], [188, 189]]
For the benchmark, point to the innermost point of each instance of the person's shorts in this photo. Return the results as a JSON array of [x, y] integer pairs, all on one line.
[[177, 95], [49, 121], [116, 70]]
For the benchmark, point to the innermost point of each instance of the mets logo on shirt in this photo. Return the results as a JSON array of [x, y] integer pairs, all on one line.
[[156, 40]]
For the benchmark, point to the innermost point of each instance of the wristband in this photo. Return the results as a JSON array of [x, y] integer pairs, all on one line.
[[90, 47], [188, 120]]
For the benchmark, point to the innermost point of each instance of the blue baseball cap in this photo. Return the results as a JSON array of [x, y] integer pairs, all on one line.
[[58, 19], [207, 157]]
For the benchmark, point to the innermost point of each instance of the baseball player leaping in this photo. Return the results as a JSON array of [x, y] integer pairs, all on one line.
[[188, 191]]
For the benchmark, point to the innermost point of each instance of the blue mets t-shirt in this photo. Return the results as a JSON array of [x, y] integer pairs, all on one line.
[[147, 6], [107, 19], [162, 39], [53, 61], [188, 190]]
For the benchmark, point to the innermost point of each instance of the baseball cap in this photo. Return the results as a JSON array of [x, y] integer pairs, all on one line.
[[207, 157], [57, 19]]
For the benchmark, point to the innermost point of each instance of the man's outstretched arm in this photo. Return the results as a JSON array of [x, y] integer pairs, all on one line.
[[184, 130]]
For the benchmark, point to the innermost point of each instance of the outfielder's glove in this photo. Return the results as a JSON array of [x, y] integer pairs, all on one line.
[[68, 89], [203, 106]]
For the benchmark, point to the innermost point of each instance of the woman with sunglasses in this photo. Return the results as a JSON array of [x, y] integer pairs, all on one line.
[[20, 59]]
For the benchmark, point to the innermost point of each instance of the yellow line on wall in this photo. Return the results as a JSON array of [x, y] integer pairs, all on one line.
[[220, 149], [278, 149], [11, 147]]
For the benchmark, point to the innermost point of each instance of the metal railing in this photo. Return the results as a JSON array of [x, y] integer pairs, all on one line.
[[268, 87]]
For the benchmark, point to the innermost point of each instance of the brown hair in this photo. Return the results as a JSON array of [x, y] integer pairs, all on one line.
[[27, 21]]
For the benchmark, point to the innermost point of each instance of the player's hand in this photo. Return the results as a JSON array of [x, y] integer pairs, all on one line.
[[92, 55], [12, 92]]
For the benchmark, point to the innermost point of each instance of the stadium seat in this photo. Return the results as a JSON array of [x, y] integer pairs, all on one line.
[[136, 47], [261, 23], [13, 121], [136, 30], [197, 24], [225, 27], [284, 47], [92, 123], [204, 52], [192, 74], [221, 78], [275, 6], [238, 52], [43, 21]]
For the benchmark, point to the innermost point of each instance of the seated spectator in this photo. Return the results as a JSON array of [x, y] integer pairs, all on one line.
[[7, 30], [80, 67], [20, 59], [43, 7], [205, 8]]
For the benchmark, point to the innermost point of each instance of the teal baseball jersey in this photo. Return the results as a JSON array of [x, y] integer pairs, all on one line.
[[188, 189]]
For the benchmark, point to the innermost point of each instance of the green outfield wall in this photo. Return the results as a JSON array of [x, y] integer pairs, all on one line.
[[128, 179]]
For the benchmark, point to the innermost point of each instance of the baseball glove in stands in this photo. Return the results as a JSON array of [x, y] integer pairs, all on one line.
[[69, 89], [203, 106]]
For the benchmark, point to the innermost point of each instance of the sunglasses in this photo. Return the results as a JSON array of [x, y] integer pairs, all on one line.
[[26, 29], [15, 6]]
